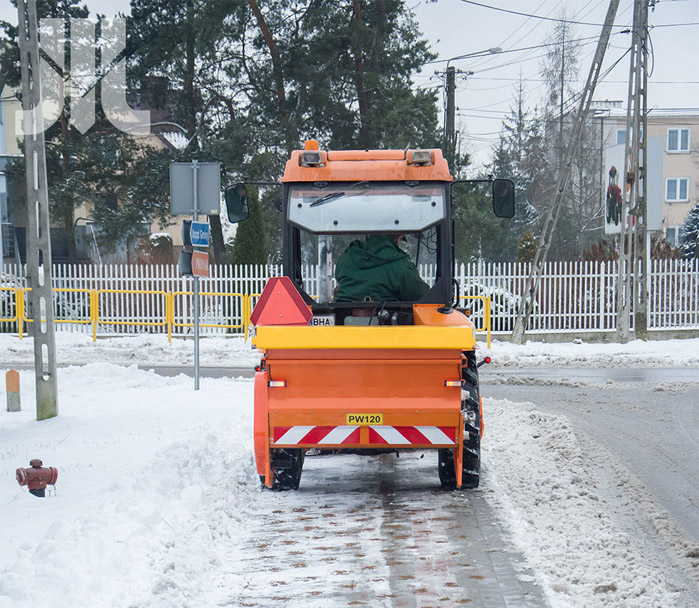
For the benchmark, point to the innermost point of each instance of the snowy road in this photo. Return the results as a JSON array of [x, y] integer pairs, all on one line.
[[640, 446], [652, 427]]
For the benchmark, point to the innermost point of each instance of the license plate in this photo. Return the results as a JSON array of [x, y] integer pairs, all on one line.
[[362, 419], [323, 320]]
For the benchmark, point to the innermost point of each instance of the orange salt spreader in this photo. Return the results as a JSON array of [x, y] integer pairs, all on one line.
[[373, 375]]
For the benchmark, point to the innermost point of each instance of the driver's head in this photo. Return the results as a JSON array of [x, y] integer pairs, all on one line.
[[398, 239]]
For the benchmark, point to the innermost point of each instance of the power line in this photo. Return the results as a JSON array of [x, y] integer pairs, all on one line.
[[519, 50], [530, 15], [516, 79]]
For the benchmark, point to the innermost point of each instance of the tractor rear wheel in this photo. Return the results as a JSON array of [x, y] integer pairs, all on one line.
[[470, 406], [287, 465]]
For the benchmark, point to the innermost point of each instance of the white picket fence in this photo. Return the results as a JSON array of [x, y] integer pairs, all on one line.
[[124, 299]]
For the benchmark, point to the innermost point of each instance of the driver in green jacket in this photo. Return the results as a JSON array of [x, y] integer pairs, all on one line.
[[377, 269]]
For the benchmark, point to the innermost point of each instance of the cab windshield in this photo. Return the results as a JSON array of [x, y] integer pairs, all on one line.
[[363, 206]]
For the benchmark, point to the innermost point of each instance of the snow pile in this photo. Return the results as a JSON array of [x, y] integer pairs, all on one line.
[[660, 353], [571, 512], [139, 457], [234, 351], [145, 349]]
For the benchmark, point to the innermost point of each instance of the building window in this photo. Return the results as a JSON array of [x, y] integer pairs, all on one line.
[[678, 140], [672, 235], [677, 189], [621, 136]]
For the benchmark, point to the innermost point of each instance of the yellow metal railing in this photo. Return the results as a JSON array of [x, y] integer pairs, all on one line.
[[486, 314], [165, 322], [24, 319], [168, 305], [243, 309]]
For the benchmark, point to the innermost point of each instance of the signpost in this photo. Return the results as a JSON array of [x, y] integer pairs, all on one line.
[[195, 186], [199, 234], [200, 264]]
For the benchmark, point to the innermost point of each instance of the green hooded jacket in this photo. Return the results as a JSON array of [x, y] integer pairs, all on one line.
[[377, 269]]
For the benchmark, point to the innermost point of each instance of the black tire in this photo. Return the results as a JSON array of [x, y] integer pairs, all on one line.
[[287, 465], [470, 406]]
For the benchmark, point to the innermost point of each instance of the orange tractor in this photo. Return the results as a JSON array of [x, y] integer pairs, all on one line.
[[365, 376]]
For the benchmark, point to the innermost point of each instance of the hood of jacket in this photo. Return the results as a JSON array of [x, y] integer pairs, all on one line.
[[376, 250]]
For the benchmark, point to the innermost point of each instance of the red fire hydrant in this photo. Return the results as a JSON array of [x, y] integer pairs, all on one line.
[[37, 478]]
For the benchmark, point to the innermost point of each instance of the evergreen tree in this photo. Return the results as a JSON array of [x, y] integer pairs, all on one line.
[[517, 157], [249, 246], [260, 76], [478, 234], [689, 234], [526, 247]]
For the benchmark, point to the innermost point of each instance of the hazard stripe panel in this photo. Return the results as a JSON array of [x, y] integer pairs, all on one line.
[[412, 435], [378, 435], [320, 435]]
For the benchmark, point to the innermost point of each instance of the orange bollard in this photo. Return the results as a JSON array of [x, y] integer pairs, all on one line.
[[14, 403]]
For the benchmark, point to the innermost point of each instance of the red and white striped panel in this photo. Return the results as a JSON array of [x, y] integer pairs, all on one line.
[[378, 435], [318, 435], [412, 435]]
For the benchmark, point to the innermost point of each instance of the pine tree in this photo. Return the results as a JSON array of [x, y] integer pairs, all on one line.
[[689, 234], [526, 247], [518, 144], [249, 246]]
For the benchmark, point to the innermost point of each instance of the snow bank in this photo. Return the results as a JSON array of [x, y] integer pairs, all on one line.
[[146, 349], [570, 511], [660, 353], [138, 456], [234, 351]]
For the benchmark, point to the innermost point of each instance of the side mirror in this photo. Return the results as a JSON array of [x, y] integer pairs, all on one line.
[[503, 198], [236, 203]]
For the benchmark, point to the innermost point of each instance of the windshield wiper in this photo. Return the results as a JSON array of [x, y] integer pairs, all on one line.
[[331, 196], [327, 198]]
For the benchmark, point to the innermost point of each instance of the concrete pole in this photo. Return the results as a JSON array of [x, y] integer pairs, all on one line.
[[450, 117], [38, 226]]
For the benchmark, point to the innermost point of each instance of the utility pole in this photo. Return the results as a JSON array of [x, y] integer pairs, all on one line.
[[449, 116], [634, 262], [38, 231], [449, 74], [537, 268]]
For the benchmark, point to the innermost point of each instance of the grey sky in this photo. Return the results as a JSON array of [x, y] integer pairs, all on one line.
[[455, 27]]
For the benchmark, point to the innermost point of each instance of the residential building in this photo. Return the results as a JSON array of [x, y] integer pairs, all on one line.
[[672, 162], [86, 231]]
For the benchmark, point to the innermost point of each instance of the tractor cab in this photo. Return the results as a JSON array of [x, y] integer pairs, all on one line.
[[331, 199]]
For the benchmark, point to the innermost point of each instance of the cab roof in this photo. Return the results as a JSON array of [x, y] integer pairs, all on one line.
[[359, 165]]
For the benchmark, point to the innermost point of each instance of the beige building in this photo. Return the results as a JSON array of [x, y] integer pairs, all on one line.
[[13, 212], [673, 162]]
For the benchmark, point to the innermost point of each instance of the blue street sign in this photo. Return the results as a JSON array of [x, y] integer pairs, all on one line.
[[199, 233]]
